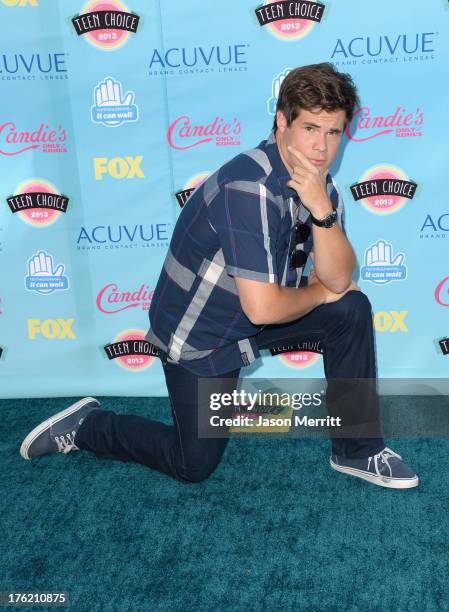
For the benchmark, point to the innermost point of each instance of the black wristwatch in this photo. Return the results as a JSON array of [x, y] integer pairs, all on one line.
[[328, 221]]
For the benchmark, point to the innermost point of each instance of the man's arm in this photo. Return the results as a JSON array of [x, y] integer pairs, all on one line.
[[268, 303], [334, 259]]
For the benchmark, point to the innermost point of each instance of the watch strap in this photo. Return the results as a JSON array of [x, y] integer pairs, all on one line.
[[328, 221]]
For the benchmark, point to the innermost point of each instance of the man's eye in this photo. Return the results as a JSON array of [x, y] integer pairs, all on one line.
[[309, 128]]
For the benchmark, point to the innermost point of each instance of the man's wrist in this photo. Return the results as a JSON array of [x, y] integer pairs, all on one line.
[[321, 210], [318, 293]]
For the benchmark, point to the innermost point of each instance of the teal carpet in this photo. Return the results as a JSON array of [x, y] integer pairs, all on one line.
[[274, 528]]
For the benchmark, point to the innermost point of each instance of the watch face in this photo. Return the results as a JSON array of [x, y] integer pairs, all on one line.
[[331, 219]]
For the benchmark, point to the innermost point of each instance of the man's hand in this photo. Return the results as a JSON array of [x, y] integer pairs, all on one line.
[[309, 182], [329, 296]]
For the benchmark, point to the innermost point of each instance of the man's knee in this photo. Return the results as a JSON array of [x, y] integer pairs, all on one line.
[[195, 474], [353, 305]]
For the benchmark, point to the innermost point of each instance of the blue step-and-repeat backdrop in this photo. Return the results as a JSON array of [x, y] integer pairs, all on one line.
[[111, 112]]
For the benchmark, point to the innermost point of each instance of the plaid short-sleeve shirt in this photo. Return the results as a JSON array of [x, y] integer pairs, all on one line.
[[238, 222]]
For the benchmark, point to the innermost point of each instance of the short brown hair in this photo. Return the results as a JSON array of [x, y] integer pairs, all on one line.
[[317, 86]]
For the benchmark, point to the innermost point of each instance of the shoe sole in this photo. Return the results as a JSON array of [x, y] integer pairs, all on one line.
[[50, 421], [393, 483]]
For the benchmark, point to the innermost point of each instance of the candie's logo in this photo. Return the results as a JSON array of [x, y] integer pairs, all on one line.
[[184, 194], [182, 134], [365, 126], [111, 300], [302, 355], [131, 351], [14, 141], [119, 167], [107, 24], [383, 189], [38, 202], [442, 292], [289, 20]]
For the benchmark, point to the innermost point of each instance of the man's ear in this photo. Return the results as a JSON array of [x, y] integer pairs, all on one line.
[[281, 121]]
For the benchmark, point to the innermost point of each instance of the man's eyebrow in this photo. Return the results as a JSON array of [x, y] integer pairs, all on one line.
[[315, 125]]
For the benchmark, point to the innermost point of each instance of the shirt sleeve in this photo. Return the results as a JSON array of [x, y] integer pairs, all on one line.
[[247, 223]]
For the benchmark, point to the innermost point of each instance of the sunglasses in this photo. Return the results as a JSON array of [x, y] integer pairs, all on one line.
[[299, 257]]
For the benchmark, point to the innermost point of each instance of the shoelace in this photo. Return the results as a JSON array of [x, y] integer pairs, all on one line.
[[383, 457], [66, 445]]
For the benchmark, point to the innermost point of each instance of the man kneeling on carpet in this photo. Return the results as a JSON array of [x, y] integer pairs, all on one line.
[[230, 286]]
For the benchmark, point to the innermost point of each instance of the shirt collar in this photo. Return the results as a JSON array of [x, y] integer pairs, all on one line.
[[279, 168]]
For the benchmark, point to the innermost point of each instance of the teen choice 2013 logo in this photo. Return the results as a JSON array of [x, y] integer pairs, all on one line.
[[289, 21], [384, 189], [37, 202], [131, 351], [184, 194], [299, 359], [302, 355], [107, 25]]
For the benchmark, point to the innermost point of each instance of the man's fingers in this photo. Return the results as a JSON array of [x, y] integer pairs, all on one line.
[[298, 178], [300, 170], [294, 184]]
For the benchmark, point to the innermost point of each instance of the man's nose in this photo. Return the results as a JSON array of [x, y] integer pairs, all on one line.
[[320, 143]]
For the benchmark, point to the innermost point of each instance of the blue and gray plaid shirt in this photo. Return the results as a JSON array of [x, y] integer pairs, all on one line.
[[238, 222]]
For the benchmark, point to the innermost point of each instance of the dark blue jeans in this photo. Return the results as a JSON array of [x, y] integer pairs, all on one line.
[[346, 333]]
